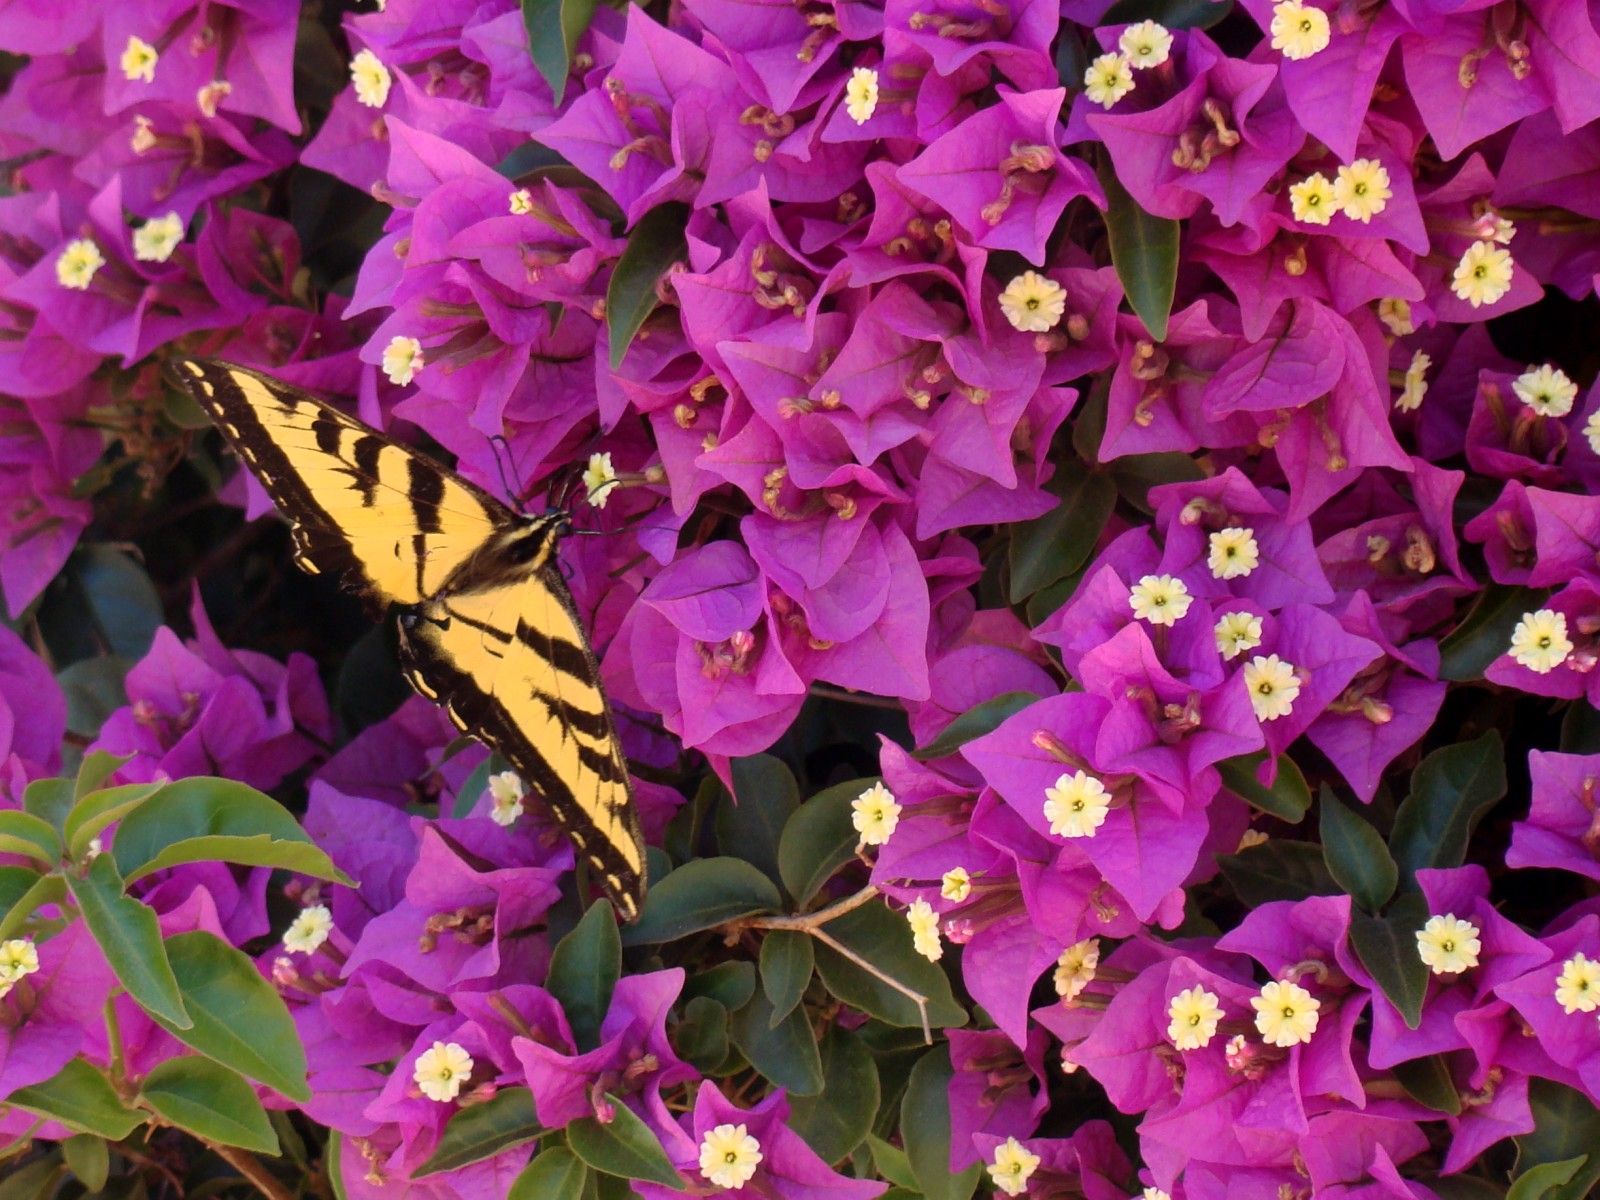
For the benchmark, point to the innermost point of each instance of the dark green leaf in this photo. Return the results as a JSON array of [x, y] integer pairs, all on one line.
[[14, 885], [97, 811], [786, 967], [88, 1159], [35, 1181], [1357, 858], [1387, 947], [94, 689], [1451, 790], [584, 969], [1288, 798], [239, 1018], [46, 889], [1144, 251], [370, 687], [1071, 60], [1278, 870], [203, 819], [883, 939], [1485, 632], [974, 723], [123, 604], [1174, 14], [750, 823], [50, 800], [1545, 1180], [701, 1037], [1565, 1125], [925, 1129], [1051, 547], [700, 895], [819, 838], [891, 1162], [554, 27], [624, 1147], [81, 1098], [1136, 474], [654, 244], [130, 938], [97, 767], [1580, 729], [481, 1131], [1427, 1081], [784, 1051], [556, 1174], [210, 1102], [24, 833], [730, 984], [836, 1120]]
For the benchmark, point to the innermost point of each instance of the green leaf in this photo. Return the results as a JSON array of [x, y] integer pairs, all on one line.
[[203, 819], [1580, 729], [210, 1102], [654, 244], [1541, 1181], [93, 689], [750, 822], [88, 1159], [554, 27], [1485, 632], [819, 838], [1565, 1125], [556, 1174], [883, 939], [1451, 790], [1144, 251], [1387, 947], [122, 602], [481, 1131], [130, 938], [925, 1129], [583, 971], [239, 1019], [24, 833], [333, 1164], [1174, 14], [730, 984], [81, 1098], [35, 1181], [891, 1162], [50, 800], [1288, 799], [46, 889], [836, 1120], [701, 1037], [97, 767], [97, 811], [1136, 474], [974, 723], [1049, 548], [786, 967], [15, 883], [1357, 858], [1278, 870], [624, 1147], [700, 895], [1427, 1081], [783, 1050]]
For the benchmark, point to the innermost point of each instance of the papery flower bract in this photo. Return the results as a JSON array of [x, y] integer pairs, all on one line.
[[1012, 1166], [1237, 632], [729, 1156], [599, 479], [1298, 30], [1075, 969], [506, 793], [1147, 44], [956, 885], [1484, 274], [1234, 553], [1033, 303], [1194, 1014], [441, 1070], [1578, 985], [1286, 1014], [924, 924], [1546, 390], [1160, 599], [875, 813], [1540, 642], [1108, 79], [309, 929], [157, 238], [1362, 188], [78, 264], [1273, 686], [1416, 383], [1312, 200], [371, 79], [1076, 805], [403, 359], [1448, 945], [861, 94]]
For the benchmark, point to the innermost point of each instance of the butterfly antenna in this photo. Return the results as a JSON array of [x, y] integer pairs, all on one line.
[[499, 442]]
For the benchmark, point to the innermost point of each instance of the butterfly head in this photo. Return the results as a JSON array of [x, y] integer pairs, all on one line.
[[523, 548]]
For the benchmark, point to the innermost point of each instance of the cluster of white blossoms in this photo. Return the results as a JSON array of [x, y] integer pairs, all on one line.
[[1160, 599], [1286, 1014], [19, 958], [1013, 1165], [1033, 303], [1540, 641], [1076, 805], [506, 794], [1140, 47], [309, 930], [1273, 685], [1448, 945], [1192, 1018], [1360, 190], [442, 1070], [729, 1156], [875, 813], [403, 359], [1075, 969]]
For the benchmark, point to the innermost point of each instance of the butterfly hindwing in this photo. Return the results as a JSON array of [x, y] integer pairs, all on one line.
[[390, 521], [489, 631]]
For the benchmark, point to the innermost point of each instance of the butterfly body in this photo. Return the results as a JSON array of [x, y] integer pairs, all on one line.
[[487, 626]]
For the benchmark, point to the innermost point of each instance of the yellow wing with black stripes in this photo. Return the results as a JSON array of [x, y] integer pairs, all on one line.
[[488, 627]]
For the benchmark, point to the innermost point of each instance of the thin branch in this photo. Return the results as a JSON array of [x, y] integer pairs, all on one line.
[[250, 1167], [805, 922], [823, 692], [914, 996]]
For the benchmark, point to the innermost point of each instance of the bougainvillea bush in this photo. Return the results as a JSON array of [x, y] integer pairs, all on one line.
[[1096, 562]]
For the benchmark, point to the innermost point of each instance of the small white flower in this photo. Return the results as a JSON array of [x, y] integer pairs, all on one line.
[[156, 239], [1033, 303], [1416, 385], [441, 1071], [1154, 1193], [1147, 44], [1546, 390], [521, 202], [599, 479], [924, 924], [1108, 79], [1234, 553], [1483, 276], [1312, 200], [956, 885], [1299, 30], [403, 360], [1395, 314], [309, 930], [875, 813], [138, 61], [729, 1156], [1578, 985], [861, 95], [1076, 805], [1237, 632], [77, 264], [1448, 945], [1540, 641], [1160, 599], [1273, 686], [505, 798], [1013, 1165], [371, 78], [1591, 431], [1075, 969], [1286, 1014], [1193, 1017], [1362, 188], [19, 958]]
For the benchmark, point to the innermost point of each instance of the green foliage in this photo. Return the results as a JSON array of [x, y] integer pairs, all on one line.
[[481, 1131], [1174, 14], [1451, 791], [974, 723], [1427, 1081], [210, 1102], [1387, 947], [1047, 549], [554, 1174], [925, 1127], [1144, 251], [1565, 1126], [1278, 870], [130, 938], [654, 244], [554, 27], [838, 1118], [787, 962], [882, 938], [1356, 856], [87, 1158], [81, 1098], [782, 1049], [750, 823], [700, 895], [583, 971], [1289, 797], [1485, 632], [818, 839], [623, 1147]]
